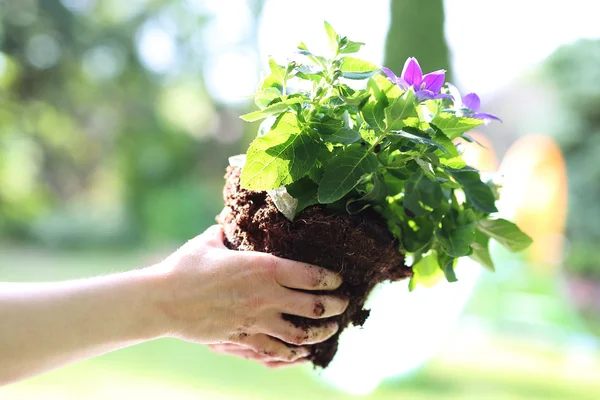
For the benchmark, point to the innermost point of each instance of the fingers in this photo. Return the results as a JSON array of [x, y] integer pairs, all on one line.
[[249, 354], [273, 348], [311, 306], [287, 332], [298, 275], [240, 351], [283, 364]]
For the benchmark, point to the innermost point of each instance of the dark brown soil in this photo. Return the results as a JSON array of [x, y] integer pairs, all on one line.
[[359, 247]]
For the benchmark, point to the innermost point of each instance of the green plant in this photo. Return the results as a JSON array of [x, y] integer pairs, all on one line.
[[344, 133]]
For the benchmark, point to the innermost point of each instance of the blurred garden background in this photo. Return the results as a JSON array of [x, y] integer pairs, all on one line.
[[117, 119]]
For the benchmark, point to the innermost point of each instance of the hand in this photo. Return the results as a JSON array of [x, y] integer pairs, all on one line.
[[215, 296], [244, 352]]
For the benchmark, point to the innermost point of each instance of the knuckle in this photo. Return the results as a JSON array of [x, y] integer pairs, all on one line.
[[255, 302], [268, 265]]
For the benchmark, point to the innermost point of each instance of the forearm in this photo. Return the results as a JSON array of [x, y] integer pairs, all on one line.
[[47, 325]]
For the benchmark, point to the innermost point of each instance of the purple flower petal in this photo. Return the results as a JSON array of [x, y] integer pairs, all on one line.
[[412, 72], [484, 116], [402, 84], [435, 80], [390, 74], [443, 96], [472, 102], [424, 95]]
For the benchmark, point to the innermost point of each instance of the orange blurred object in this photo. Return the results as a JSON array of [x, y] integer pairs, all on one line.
[[535, 194]]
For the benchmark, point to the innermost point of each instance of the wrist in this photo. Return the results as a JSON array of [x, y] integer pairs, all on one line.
[[152, 294]]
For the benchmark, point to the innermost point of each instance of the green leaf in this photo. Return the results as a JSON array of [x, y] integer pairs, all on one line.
[[454, 126], [418, 234], [389, 89], [305, 191], [478, 193], [422, 191], [264, 97], [351, 47], [278, 159], [506, 233], [333, 37], [343, 173], [344, 136], [455, 241], [440, 137], [447, 265], [272, 109], [419, 139], [427, 271], [373, 114], [481, 252], [375, 194], [400, 110], [286, 123], [326, 125], [275, 78], [355, 68]]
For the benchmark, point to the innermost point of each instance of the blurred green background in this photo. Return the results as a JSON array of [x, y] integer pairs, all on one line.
[[117, 119]]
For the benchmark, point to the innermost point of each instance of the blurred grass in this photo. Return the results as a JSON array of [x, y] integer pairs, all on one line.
[[471, 367]]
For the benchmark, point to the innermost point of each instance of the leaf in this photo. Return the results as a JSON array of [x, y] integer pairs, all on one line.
[[305, 191], [318, 60], [376, 194], [420, 139], [351, 47], [449, 272], [389, 89], [373, 114], [420, 190], [272, 109], [400, 110], [478, 193], [275, 78], [447, 265], [455, 241], [286, 123], [264, 97], [481, 252], [326, 125], [418, 234], [427, 271], [440, 137], [344, 171], [333, 37], [454, 126], [506, 233], [278, 159], [343, 136], [355, 68]]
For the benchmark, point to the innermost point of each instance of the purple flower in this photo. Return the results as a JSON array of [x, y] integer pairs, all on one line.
[[469, 105], [426, 87]]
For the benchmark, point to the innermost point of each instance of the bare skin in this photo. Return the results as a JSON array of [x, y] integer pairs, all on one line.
[[203, 293]]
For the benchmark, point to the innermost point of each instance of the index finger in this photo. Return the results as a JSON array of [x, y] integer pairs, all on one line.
[[299, 275]]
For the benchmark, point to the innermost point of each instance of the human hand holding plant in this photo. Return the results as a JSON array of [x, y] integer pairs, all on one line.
[[203, 293], [220, 296], [356, 169]]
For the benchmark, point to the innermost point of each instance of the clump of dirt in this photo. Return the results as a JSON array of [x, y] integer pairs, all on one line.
[[359, 247]]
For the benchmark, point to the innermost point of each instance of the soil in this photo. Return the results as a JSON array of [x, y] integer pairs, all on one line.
[[359, 247]]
